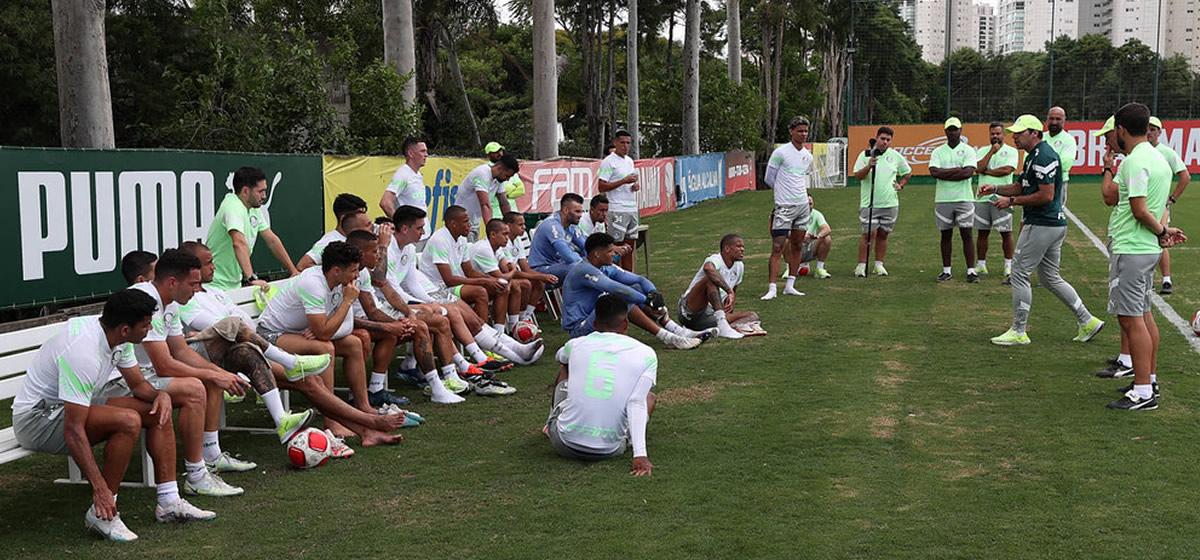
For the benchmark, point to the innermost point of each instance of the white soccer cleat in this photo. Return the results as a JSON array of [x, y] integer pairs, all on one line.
[[677, 342], [726, 331], [770, 293], [210, 485], [112, 529], [180, 511]]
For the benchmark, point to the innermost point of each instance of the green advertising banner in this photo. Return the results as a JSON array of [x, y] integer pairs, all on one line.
[[72, 214]]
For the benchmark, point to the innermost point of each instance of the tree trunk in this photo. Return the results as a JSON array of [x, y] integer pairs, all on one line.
[[462, 87], [609, 98], [691, 80], [733, 33], [399, 46], [84, 99], [764, 73], [545, 82], [778, 71], [833, 72], [631, 79], [670, 44]]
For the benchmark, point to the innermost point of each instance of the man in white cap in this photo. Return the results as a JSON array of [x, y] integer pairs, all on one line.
[[953, 165], [1181, 172]]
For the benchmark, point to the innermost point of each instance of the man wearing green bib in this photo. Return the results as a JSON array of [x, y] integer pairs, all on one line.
[[1138, 193], [997, 161], [953, 164], [239, 222], [1179, 170], [1063, 143], [1044, 229]]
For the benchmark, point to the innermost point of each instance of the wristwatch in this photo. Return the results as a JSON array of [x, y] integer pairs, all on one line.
[[1012, 201], [250, 280], [1172, 199]]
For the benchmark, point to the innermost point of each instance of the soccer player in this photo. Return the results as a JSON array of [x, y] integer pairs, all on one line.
[[209, 307], [1181, 171], [476, 191], [407, 186], [1139, 194], [138, 266], [997, 162], [513, 188], [591, 278], [878, 205], [350, 211], [1063, 143], [787, 173], [487, 256], [953, 164], [617, 179], [557, 242], [445, 263], [514, 254], [818, 239], [54, 412], [602, 399], [708, 301], [593, 221], [1043, 231], [239, 222]]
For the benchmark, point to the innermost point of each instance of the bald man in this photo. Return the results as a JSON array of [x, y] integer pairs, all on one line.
[[1063, 143]]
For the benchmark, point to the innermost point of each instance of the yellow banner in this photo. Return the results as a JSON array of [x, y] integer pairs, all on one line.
[[368, 177]]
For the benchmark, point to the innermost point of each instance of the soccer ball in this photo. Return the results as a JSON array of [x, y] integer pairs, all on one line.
[[309, 449], [1196, 323], [525, 332], [803, 270]]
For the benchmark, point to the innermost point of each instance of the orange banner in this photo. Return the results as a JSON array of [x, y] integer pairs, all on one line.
[[916, 142]]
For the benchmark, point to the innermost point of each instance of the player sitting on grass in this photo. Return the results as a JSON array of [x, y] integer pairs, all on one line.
[[602, 399], [708, 301], [557, 241], [54, 412], [589, 279], [514, 254], [209, 307]]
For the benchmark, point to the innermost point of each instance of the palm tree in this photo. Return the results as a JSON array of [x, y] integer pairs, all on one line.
[[84, 99]]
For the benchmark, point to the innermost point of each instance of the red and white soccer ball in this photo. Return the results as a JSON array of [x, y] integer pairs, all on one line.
[[1196, 323], [309, 449], [803, 270], [526, 332]]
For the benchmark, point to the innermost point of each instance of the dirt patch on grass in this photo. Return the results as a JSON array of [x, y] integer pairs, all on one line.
[[843, 490], [970, 471], [881, 426], [1006, 386], [893, 365], [891, 381], [703, 392]]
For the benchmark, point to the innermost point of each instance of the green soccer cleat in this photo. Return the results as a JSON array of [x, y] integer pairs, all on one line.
[[308, 365], [821, 273], [455, 386], [1089, 330], [231, 398], [229, 463], [981, 269], [879, 270], [1011, 338], [290, 424], [210, 485]]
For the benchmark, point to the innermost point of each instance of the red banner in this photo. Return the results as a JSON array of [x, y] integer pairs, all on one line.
[[656, 178], [739, 172], [546, 182]]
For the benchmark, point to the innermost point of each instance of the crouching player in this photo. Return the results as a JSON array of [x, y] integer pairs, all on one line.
[[602, 399], [708, 301]]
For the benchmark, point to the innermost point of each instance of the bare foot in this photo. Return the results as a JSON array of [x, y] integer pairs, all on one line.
[[373, 438], [389, 422], [338, 429]]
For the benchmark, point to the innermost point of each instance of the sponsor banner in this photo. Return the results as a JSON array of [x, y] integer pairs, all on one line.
[[546, 182], [917, 142], [656, 180], [368, 177], [739, 172], [700, 177], [74, 213]]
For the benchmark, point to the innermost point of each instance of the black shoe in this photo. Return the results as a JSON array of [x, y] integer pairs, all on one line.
[[944, 277], [1006, 282], [1117, 371], [1131, 402], [1112, 361], [1129, 387], [1167, 289], [972, 278]]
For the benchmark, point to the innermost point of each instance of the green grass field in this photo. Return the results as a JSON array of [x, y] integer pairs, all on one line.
[[876, 421]]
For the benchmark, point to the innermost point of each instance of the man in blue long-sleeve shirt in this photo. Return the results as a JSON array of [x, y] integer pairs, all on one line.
[[558, 242], [595, 276]]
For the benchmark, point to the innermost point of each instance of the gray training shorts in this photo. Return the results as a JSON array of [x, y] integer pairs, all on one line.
[[701, 320], [990, 218], [948, 215], [119, 388], [41, 428], [790, 217], [881, 218], [622, 225], [1130, 282], [563, 448]]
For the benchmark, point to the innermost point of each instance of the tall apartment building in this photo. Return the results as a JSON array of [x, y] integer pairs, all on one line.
[[985, 15], [930, 24], [1026, 25]]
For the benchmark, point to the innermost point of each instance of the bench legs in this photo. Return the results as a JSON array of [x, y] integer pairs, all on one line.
[[75, 476]]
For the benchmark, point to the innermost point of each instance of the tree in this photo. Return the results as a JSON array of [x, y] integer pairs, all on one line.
[[399, 48], [691, 80], [84, 99], [545, 82], [733, 34], [631, 80]]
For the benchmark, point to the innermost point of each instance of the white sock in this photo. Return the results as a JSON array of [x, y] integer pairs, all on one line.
[[511, 322], [664, 335], [378, 380], [435, 384], [721, 321], [791, 283], [168, 493], [946, 270], [1144, 391], [211, 446], [499, 327], [451, 373], [195, 471], [820, 265], [280, 356], [461, 362], [476, 352], [274, 406], [410, 362], [878, 263], [981, 263], [527, 314], [970, 270], [1153, 378], [771, 286], [1126, 360], [1166, 279], [486, 337], [1007, 262]]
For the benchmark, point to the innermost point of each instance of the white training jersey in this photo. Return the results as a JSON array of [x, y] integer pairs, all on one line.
[[164, 323], [319, 247], [209, 306], [304, 295], [483, 258], [790, 168], [588, 227], [442, 248], [605, 368], [514, 251], [364, 287], [409, 187], [479, 180], [732, 274], [72, 365], [403, 276], [612, 169]]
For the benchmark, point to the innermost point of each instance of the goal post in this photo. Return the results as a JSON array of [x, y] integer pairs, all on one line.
[[829, 163]]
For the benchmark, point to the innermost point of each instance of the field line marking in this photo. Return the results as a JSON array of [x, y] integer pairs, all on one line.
[[1185, 328]]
